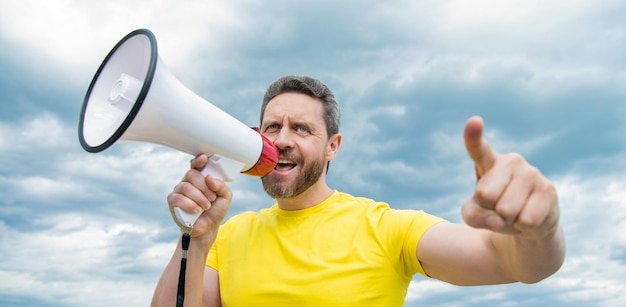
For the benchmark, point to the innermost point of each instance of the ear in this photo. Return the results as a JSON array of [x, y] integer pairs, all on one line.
[[332, 147]]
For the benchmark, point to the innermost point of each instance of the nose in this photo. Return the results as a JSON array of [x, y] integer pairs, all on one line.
[[283, 139]]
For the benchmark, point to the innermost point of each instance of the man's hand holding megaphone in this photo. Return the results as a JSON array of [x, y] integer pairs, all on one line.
[[196, 193], [209, 197]]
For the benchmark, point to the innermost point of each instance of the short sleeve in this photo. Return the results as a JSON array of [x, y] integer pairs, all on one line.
[[405, 230], [226, 231], [211, 260]]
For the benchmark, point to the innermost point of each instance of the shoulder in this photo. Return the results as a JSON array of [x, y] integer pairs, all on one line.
[[373, 206], [382, 211], [249, 216], [368, 203], [237, 221]]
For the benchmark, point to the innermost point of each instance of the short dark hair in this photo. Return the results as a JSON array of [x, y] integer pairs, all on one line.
[[310, 87]]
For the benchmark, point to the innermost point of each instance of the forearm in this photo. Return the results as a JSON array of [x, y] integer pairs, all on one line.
[[530, 260], [167, 287]]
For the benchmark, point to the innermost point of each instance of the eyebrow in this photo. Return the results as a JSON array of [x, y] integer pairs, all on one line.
[[307, 124], [268, 122]]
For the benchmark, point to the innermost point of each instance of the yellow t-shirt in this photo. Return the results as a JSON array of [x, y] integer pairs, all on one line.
[[345, 251]]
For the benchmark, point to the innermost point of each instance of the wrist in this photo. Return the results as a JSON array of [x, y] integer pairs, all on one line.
[[203, 242]]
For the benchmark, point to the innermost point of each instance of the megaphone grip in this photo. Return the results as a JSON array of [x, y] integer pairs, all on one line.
[[219, 168], [185, 218]]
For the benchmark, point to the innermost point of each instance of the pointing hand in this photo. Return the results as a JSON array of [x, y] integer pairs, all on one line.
[[511, 196]]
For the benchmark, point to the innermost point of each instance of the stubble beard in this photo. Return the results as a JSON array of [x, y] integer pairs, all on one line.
[[279, 188]]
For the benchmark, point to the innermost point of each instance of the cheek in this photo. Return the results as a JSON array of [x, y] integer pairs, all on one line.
[[269, 135], [319, 153]]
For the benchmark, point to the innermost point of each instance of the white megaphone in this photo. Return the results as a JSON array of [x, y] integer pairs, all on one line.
[[134, 97]]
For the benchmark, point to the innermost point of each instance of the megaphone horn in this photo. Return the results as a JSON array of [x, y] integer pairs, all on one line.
[[134, 97]]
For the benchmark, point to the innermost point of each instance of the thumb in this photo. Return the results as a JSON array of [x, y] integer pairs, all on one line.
[[478, 148]]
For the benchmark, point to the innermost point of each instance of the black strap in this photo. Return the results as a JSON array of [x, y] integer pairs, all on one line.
[[180, 297]]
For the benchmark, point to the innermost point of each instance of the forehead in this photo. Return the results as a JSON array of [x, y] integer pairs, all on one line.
[[294, 106]]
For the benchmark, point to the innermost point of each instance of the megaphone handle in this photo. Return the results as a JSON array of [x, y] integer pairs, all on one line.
[[219, 168]]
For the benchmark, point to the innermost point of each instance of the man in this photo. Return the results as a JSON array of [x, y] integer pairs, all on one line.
[[320, 247]]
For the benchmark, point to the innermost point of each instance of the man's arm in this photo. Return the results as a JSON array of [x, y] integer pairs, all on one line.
[[195, 193], [466, 256], [512, 232], [201, 282]]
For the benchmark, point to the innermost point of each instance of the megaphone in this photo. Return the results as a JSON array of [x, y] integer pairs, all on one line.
[[134, 97]]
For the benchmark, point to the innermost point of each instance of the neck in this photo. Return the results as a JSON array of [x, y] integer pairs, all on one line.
[[314, 195]]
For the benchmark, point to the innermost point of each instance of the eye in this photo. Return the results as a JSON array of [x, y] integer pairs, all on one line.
[[302, 130], [271, 127]]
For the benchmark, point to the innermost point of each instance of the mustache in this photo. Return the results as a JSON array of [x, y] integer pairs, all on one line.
[[288, 154], [285, 152]]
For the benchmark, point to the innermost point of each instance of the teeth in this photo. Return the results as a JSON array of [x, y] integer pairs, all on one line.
[[285, 161]]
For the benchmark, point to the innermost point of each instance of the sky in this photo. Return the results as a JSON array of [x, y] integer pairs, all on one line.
[[548, 78]]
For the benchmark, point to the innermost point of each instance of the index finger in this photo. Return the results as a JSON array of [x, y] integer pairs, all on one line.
[[478, 148]]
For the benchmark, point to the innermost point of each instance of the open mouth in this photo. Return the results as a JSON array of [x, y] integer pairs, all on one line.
[[285, 165]]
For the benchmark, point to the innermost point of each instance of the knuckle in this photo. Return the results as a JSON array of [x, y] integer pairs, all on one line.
[[531, 173], [485, 196], [515, 159], [529, 221], [547, 188], [174, 198], [509, 213], [534, 172], [184, 187], [189, 174]]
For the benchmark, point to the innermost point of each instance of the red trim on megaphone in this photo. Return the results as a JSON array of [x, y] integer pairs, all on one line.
[[267, 160]]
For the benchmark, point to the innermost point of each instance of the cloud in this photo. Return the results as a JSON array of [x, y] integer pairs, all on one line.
[[103, 24], [67, 260], [593, 212], [39, 133]]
